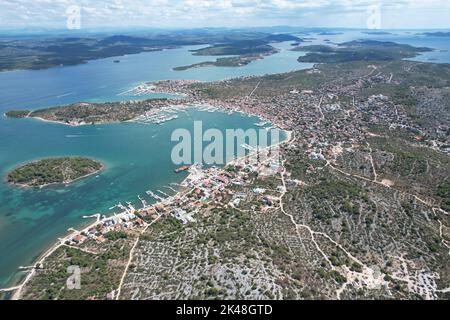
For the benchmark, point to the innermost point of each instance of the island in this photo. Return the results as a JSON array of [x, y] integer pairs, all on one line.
[[359, 50], [242, 47], [238, 61], [330, 33], [437, 34], [30, 53], [51, 171], [243, 52], [377, 33]]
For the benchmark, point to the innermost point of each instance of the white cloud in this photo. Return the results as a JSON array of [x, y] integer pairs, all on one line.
[[215, 13]]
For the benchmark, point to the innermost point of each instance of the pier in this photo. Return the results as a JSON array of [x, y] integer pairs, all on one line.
[[154, 196], [163, 193], [247, 147], [170, 188], [144, 203]]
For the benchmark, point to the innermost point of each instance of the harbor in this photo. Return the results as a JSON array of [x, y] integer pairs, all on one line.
[[202, 187], [128, 149], [137, 158], [160, 115]]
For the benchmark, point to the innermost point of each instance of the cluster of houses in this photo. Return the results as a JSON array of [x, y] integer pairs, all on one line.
[[97, 232], [204, 188]]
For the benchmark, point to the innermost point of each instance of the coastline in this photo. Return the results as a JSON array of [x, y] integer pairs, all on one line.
[[16, 289], [44, 120], [41, 258], [56, 122]]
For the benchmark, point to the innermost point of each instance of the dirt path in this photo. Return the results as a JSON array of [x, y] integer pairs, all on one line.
[[251, 93], [130, 258], [372, 163]]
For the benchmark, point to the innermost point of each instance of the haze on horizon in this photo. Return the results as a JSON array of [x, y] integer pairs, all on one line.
[[394, 14]]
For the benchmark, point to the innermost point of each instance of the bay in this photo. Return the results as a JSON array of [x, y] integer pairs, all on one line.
[[137, 157]]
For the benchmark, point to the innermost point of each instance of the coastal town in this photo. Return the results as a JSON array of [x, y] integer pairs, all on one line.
[[203, 189], [224, 158], [345, 207]]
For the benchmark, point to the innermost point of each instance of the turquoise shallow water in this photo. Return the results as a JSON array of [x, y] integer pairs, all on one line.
[[137, 156]]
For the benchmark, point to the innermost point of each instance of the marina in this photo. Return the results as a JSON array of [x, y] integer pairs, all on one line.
[[137, 158], [206, 108], [159, 116]]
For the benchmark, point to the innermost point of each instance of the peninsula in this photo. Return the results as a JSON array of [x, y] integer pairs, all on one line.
[[49, 171], [91, 113]]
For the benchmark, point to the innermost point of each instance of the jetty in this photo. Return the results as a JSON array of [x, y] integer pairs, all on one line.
[[163, 193], [181, 169], [144, 203], [170, 188], [247, 146], [154, 195]]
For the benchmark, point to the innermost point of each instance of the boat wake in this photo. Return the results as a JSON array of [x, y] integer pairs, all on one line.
[[66, 94]]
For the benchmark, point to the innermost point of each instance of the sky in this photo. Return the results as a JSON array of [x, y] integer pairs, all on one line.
[[91, 14]]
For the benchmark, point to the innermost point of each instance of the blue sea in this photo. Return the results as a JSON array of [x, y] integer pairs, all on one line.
[[137, 156]]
